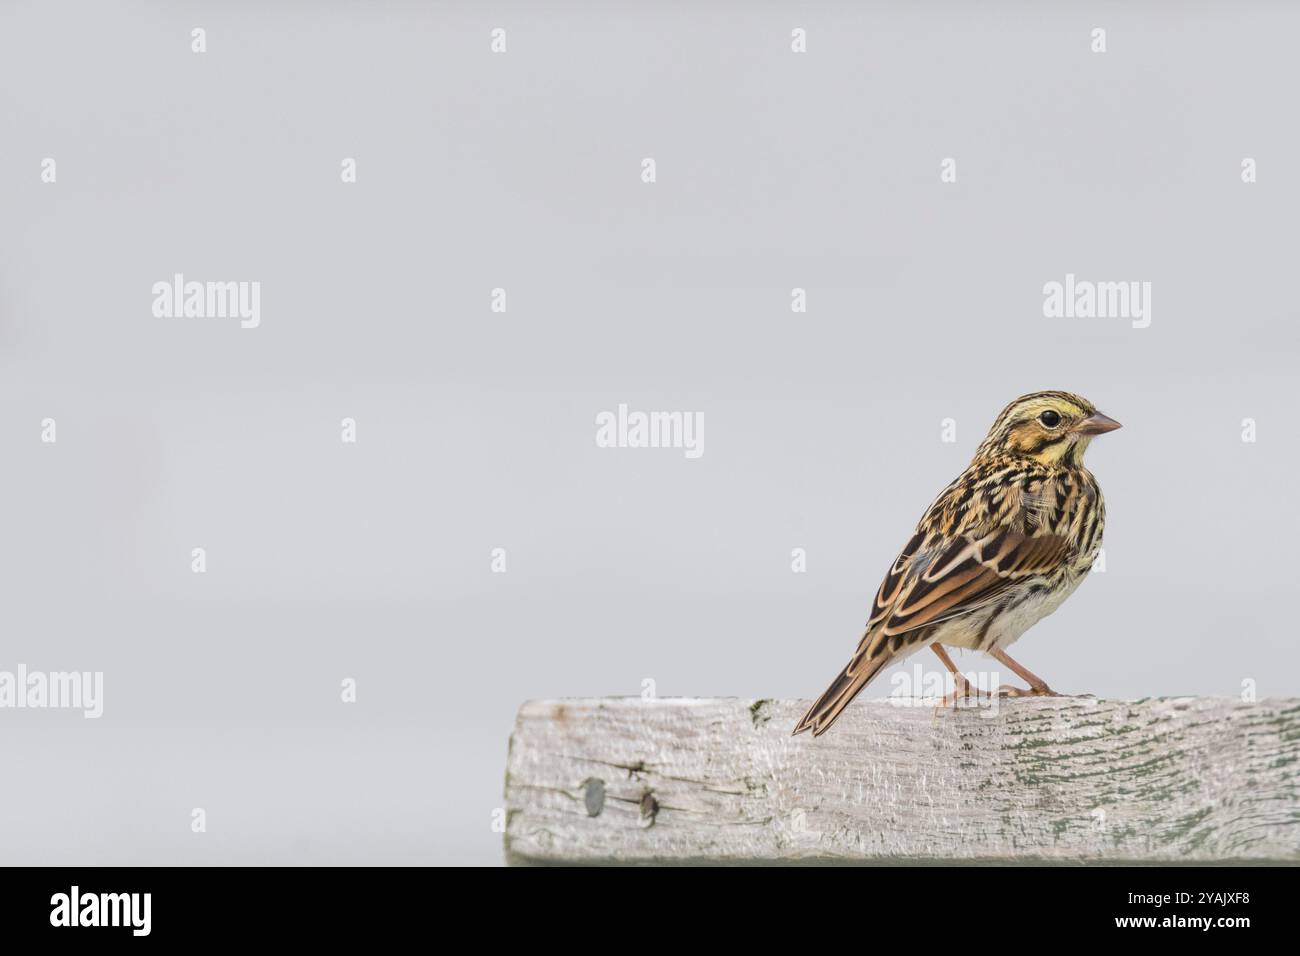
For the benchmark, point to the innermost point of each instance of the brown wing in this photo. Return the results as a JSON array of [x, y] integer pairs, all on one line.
[[941, 579], [934, 579]]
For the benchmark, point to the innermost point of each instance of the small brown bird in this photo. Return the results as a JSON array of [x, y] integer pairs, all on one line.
[[999, 550]]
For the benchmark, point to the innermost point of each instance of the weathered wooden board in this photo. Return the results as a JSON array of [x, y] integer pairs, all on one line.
[[1064, 780]]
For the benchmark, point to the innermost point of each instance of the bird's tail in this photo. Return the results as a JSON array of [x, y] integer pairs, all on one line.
[[828, 707]]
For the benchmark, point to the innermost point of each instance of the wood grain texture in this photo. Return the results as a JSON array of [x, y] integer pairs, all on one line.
[[1064, 780]]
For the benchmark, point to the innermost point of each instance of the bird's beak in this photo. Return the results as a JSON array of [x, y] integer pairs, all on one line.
[[1096, 424]]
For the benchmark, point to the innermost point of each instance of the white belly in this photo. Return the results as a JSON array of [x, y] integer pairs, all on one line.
[[969, 630]]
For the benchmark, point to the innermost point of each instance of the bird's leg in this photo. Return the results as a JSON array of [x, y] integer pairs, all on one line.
[[1037, 686], [962, 687]]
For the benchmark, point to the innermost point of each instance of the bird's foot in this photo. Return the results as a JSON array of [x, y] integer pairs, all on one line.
[[962, 690]]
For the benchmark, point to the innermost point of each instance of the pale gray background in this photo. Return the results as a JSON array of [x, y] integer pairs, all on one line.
[[476, 430]]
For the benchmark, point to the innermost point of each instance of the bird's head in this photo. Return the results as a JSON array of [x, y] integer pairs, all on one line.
[[1052, 428]]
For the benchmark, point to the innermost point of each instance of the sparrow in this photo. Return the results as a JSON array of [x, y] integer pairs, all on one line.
[[1000, 548]]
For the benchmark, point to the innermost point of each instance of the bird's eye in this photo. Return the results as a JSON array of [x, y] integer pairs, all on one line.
[[1050, 418]]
